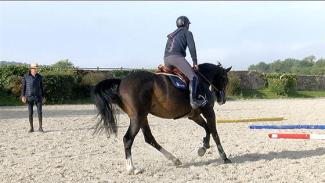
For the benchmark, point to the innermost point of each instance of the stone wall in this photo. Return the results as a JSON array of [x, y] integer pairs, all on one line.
[[311, 82], [250, 80]]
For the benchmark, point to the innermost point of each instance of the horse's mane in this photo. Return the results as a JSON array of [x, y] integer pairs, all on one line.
[[211, 70], [210, 65]]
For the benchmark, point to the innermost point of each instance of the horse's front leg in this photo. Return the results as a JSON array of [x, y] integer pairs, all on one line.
[[206, 140], [210, 116]]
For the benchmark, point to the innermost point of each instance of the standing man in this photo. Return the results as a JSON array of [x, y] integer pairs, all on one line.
[[32, 93]]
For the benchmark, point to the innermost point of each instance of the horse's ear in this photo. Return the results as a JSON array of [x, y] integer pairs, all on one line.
[[228, 69]]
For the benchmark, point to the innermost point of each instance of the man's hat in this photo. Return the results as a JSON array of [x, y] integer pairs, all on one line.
[[33, 66]]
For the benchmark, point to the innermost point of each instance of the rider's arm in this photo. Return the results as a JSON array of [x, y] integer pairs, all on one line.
[[191, 46]]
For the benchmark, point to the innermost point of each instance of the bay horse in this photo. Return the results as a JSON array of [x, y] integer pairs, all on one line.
[[142, 92]]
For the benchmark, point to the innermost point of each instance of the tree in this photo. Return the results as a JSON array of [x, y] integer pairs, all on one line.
[[276, 66], [308, 65], [260, 67], [63, 64], [287, 64], [310, 59], [60, 67]]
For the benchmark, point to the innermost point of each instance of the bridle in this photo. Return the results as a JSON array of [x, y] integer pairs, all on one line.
[[206, 79]]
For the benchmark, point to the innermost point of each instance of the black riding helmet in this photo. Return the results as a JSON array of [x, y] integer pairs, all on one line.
[[182, 21]]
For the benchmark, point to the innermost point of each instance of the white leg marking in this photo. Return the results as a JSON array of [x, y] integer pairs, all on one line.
[[131, 170], [129, 164]]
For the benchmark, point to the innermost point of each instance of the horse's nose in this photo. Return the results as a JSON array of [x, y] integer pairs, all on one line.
[[224, 100]]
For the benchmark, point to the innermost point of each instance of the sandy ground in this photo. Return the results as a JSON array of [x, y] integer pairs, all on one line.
[[68, 152]]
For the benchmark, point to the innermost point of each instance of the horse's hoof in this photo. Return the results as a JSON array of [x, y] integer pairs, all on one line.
[[40, 130], [31, 130], [177, 162], [201, 151], [226, 161], [135, 171]]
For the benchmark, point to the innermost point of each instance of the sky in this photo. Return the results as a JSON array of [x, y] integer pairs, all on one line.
[[133, 34]]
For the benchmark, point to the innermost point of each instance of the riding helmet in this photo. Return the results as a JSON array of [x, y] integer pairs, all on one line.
[[182, 21]]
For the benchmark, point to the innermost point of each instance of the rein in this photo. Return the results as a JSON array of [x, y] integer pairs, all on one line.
[[206, 79]]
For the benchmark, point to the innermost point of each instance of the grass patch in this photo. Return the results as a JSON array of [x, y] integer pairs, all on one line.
[[244, 94], [76, 101], [268, 94], [13, 101], [9, 101], [309, 94]]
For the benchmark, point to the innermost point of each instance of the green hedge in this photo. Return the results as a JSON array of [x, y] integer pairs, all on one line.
[[59, 83], [58, 87], [14, 85], [120, 73], [2, 91], [281, 84], [233, 86], [7, 71], [92, 78]]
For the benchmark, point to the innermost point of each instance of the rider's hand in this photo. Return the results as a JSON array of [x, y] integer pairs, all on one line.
[[196, 67], [43, 100], [23, 99]]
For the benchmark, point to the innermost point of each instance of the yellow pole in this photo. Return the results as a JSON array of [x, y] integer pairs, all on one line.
[[249, 120]]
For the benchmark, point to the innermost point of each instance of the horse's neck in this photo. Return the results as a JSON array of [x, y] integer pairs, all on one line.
[[203, 77]]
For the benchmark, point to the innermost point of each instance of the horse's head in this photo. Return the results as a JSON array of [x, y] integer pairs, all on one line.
[[218, 78]]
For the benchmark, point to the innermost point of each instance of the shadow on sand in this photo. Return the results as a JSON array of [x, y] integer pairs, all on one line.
[[279, 155], [91, 129], [67, 130], [268, 157]]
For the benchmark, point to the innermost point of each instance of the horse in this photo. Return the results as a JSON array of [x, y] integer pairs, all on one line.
[[142, 92]]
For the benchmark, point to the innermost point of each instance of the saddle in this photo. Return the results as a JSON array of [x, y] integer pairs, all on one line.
[[178, 79]]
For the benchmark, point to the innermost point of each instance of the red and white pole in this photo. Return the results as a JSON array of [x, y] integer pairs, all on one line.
[[297, 136]]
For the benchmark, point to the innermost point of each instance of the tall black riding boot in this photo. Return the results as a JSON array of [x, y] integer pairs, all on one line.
[[195, 102], [40, 120], [31, 124]]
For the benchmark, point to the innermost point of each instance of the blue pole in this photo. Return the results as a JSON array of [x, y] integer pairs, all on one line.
[[322, 127]]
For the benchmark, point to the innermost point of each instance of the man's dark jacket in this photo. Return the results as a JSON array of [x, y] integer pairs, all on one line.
[[178, 41], [32, 85]]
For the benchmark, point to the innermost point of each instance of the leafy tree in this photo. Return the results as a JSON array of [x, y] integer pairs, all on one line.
[[5, 63], [262, 67], [64, 64], [310, 59], [308, 65], [60, 67]]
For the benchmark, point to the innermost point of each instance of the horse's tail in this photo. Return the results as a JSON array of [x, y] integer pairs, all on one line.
[[106, 94]]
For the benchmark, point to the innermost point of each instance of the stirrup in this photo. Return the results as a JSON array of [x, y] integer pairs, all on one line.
[[198, 102], [203, 99]]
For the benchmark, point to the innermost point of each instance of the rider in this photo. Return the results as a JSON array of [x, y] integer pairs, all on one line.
[[175, 53]]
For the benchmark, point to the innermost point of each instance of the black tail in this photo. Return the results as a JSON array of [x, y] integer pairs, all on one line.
[[106, 94]]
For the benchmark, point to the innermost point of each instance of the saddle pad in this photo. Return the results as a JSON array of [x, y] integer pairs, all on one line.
[[176, 81]]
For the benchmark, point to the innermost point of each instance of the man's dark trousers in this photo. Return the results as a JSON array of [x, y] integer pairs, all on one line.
[[35, 100]]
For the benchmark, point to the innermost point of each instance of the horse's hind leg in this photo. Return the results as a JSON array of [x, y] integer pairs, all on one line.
[[209, 114], [206, 140], [149, 138], [128, 141]]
